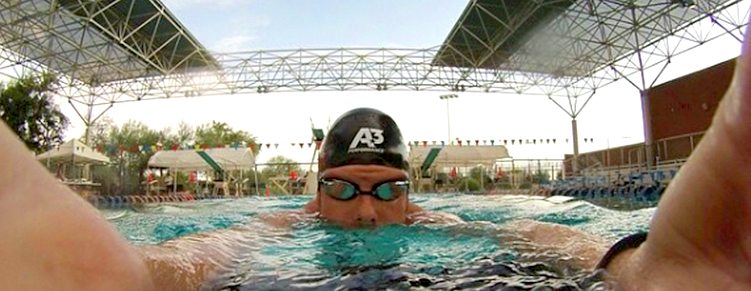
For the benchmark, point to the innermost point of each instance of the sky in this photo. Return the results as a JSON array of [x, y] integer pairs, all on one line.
[[611, 118]]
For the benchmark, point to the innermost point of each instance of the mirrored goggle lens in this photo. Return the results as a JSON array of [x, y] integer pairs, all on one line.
[[338, 189], [343, 190], [391, 190]]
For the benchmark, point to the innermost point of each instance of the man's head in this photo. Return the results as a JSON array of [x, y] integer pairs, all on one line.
[[363, 136], [363, 171]]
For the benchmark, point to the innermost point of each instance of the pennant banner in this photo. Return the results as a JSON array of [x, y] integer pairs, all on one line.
[[113, 149]]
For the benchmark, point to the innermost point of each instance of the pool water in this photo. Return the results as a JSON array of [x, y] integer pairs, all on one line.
[[481, 254]]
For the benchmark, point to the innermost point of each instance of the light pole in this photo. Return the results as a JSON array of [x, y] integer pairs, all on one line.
[[448, 120]]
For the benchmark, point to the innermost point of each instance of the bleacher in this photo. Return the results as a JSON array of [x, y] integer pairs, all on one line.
[[619, 188]]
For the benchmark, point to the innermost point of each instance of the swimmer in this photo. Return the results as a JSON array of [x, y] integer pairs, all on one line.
[[698, 239], [364, 179]]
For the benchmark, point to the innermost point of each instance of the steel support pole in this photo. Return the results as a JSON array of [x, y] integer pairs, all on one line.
[[648, 138], [575, 161]]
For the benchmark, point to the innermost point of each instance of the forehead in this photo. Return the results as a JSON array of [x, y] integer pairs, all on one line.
[[365, 173]]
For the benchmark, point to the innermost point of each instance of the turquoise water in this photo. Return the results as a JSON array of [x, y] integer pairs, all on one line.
[[481, 254]]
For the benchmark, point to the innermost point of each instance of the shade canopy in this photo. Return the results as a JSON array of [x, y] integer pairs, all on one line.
[[96, 42], [74, 152], [459, 155], [226, 158]]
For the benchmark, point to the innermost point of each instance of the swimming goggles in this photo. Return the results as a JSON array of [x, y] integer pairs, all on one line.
[[344, 190]]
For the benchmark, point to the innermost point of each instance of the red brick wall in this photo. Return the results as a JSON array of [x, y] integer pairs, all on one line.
[[679, 107], [687, 104]]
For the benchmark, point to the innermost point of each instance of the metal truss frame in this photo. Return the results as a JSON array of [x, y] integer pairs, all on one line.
[[96, 42], [571, 48], [418, 69], [587, 46]]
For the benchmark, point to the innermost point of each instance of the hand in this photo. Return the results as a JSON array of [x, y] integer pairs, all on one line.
[[700, 237]]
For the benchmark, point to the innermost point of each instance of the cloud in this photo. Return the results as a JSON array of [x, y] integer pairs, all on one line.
[[234, 43], [242, 36], [178, 4]]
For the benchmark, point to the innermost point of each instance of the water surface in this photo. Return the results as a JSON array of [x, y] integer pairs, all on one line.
[[481, 254]]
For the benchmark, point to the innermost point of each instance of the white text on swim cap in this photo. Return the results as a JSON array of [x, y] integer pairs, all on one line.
[[368, 136]]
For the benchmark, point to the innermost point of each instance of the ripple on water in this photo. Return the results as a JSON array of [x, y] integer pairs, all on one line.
[[317, 256]]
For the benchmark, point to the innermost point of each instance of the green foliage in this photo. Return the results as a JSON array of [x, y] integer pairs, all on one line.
[[442, 177], [99, 131], [183, 136], [481, 174], [28, 109], [221, 134], [477, 172], [109, 177], [280, 166], [124, 175], [251, 176], [128, 163], [540, 177], [468, 184]]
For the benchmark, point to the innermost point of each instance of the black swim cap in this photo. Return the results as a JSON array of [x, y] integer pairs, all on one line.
[[363, 136]]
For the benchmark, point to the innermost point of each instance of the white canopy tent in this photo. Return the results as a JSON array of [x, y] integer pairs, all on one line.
[[459, 155], [188, 160], [453, 156], [73, 152], [192, 160]]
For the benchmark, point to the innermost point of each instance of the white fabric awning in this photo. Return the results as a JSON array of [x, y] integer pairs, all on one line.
[[459, 155], [227, 158], [73, 151]]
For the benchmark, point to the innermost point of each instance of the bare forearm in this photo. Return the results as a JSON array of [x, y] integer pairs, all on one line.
[[51, 237], [584, 248], [171, 269], [188, 262]]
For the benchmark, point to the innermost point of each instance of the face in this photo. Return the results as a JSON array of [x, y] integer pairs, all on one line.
[[363, 210]]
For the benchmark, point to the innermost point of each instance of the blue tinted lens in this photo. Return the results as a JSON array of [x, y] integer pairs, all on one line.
[[343, 190], [391, 190]]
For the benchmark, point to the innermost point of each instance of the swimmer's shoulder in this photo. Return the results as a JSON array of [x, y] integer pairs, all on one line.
[[284, 219], [417, 215], [431, 217]]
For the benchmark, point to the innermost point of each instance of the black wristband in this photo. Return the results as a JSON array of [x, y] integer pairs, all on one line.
[[630, 242]]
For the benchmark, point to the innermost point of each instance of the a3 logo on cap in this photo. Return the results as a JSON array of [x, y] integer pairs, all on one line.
[[371, 137]]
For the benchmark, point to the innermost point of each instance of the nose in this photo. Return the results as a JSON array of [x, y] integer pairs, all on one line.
[[366, 214]]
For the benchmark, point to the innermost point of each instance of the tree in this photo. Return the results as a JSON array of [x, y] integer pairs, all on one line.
[[480, 173], [27, 107], [280, 166], [128, 161], [220, 134], [100, 131], [185, 134], [468, 184], [540, 177]]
